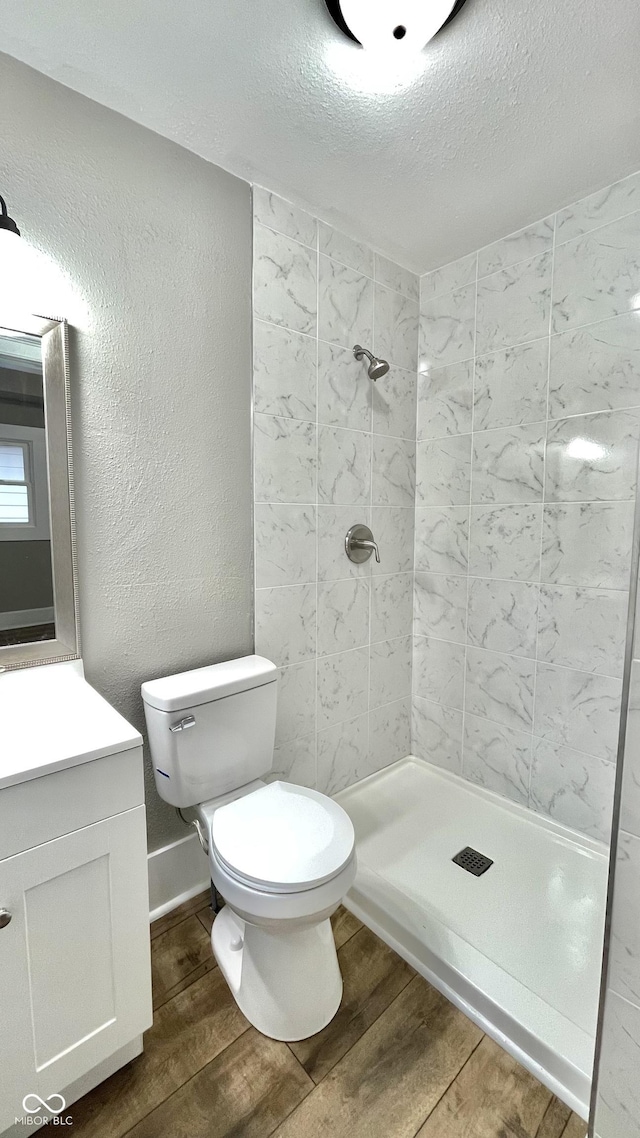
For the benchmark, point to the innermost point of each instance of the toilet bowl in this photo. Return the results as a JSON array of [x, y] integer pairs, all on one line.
[[282, 856]]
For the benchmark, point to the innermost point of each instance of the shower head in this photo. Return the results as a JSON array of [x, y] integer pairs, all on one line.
[[377, 368]]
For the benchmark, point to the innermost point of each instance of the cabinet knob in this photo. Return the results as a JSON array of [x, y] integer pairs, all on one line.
[[5, 918]]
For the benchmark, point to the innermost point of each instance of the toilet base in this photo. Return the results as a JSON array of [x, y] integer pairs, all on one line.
[[287, 984]]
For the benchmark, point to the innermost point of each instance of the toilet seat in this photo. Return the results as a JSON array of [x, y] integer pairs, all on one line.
[[282, 839]]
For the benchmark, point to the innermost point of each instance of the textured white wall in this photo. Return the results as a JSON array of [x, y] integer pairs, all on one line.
[[151, 248]]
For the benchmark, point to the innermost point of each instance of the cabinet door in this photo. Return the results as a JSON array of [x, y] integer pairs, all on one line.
[[75, 970]]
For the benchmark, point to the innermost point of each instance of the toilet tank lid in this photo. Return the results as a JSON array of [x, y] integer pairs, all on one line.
[[203, 685]]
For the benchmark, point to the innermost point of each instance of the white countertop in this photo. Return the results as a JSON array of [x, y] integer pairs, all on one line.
[[51, 718]]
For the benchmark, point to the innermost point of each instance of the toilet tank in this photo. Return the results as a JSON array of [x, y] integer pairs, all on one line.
[[211, 730]]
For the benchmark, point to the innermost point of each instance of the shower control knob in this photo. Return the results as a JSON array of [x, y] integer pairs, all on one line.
[[5, 918], [359, 545]]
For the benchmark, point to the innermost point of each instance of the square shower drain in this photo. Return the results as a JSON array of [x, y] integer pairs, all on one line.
[[474, 862]]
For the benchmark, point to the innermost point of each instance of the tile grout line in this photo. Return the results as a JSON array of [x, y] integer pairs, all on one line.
[[254, 536], [317, 459], [514, 656], [625, 999], [529, 423], [332, 343], [371, 497], [416, 405], [336, 580], [520, 731], [330, 257], [515, 581], [532, 225], [333, 426], [412, 585], [360, 715], [491, 245], [602, 224], [509, 347], [543, 501], [443, 506], [469, 530]]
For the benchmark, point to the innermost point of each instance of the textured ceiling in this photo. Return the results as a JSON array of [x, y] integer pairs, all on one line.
[[516, 109]]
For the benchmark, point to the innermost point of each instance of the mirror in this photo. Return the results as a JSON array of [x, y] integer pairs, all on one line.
[[38, 618]]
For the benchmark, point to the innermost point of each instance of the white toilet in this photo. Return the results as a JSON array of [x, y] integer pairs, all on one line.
[[282, 856]]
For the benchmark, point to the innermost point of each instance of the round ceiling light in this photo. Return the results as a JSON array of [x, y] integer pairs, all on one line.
[[405, 25]]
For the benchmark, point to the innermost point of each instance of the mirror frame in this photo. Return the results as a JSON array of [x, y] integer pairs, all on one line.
[[55, 383]]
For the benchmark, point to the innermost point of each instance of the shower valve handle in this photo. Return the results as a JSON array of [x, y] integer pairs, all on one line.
[[359, 545], [370, 545]]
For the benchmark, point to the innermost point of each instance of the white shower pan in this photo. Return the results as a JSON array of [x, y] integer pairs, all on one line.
[[519, 948]]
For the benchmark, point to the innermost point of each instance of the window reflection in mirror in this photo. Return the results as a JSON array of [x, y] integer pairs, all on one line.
[[26, 580]]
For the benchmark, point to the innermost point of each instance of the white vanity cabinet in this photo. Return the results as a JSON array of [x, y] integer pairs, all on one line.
[[74, 913]]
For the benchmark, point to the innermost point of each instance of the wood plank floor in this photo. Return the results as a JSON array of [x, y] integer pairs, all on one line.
[[398, 1060]]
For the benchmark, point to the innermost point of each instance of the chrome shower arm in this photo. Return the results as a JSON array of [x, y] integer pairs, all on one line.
[[377, 367]]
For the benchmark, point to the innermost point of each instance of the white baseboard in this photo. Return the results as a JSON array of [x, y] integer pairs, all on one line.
[[177, 872]]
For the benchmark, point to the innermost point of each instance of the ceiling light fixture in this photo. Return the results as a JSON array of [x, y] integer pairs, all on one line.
[[406, 25]]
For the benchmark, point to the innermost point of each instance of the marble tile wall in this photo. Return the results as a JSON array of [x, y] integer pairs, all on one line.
[[514, 485], [617, 1112], [527, 434], [331, 449]]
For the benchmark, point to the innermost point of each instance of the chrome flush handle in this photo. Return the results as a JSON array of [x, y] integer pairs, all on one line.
[[183, 724]]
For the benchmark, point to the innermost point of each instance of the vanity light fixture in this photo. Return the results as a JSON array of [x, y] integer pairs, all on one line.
[[30, 279], [7, 224], [14, 265], [404, 25]]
